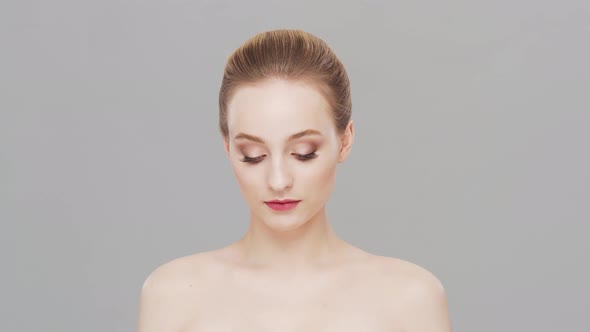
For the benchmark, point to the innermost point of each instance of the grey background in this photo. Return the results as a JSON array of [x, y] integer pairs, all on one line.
[[471, 155]]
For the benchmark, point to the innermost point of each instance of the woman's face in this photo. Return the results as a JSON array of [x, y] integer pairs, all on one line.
[[283, 144]]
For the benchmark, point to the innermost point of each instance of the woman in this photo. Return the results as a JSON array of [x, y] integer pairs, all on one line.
[[285, 120]]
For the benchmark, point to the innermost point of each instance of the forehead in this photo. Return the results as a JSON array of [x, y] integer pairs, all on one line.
[[274, 109]]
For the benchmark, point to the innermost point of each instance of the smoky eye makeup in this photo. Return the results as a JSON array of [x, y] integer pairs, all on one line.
[[254, 160], [307, 156], [299, 156], [306, 153], [250, 155], [302, 151]]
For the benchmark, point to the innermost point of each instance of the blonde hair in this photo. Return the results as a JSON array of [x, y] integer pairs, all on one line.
[[290, 55]]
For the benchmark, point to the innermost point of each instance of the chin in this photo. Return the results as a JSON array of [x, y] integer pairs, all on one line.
[[282, 223]]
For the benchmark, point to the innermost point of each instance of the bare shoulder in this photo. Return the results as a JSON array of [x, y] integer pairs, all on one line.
[[416, 293], [408, 276], [169, 290], [175, 273]]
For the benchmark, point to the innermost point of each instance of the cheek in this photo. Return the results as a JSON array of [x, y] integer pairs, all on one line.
[[321, 175], [247, 178]]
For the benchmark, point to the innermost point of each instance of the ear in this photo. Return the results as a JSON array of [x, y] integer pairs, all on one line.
[[346, 140], [226, 146]]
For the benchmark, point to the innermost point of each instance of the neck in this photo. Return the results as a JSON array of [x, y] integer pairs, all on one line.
[[309, 246]]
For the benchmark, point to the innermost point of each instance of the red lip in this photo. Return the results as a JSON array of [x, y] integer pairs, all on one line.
[[282, 201], [282, 205]]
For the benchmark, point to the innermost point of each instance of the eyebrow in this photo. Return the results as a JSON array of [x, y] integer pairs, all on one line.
[[291, 138]]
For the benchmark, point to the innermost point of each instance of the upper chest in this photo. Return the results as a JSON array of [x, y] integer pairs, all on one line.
[[329, 303]]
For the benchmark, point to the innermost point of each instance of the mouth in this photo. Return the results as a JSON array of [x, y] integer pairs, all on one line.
[[282, 205]]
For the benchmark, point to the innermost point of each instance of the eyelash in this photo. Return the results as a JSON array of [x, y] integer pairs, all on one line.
[[301, 157]]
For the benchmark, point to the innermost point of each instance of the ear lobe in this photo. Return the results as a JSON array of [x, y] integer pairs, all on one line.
[[346, 142], [226, 146]]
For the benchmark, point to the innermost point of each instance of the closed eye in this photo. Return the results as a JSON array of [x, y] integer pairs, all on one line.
[[252, 160], [306, 156], [302, 157]]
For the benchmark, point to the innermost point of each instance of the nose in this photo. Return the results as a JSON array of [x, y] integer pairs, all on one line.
[[279, 177]]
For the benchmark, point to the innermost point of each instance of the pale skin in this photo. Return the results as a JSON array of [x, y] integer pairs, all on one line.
[[290, 271]]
